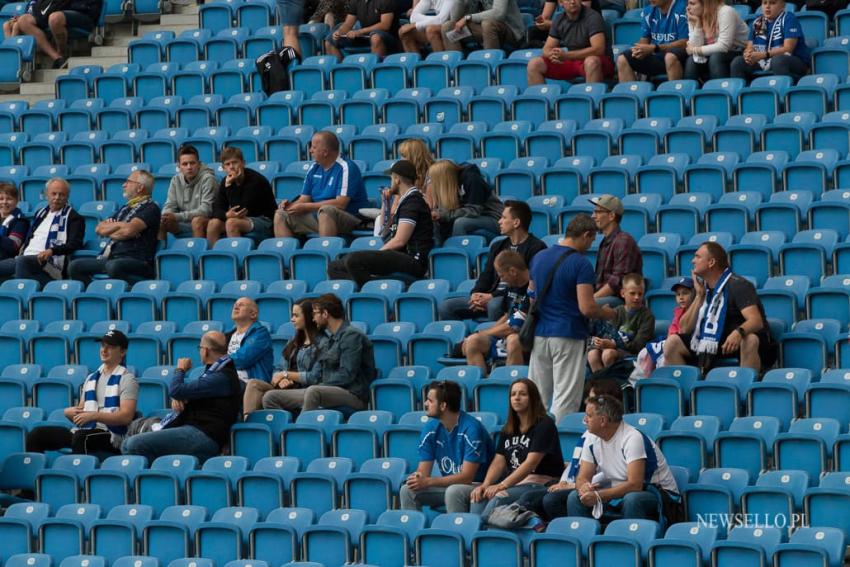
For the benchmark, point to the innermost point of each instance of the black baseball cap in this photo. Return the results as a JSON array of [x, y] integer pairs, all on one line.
[[114, 337], [403, 168]]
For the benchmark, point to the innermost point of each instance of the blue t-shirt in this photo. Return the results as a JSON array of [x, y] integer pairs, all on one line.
[[767, 35], [468, 441], [559, 312], [661, 28], [343, 178]]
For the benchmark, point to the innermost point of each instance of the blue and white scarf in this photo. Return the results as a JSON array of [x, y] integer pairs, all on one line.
[[774, 37], [111, 398], [125, 214], [712, 315], [172, 415], [57, 236]]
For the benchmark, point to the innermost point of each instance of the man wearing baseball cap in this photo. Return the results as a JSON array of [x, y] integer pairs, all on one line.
[[408, 238], [107, 406], [618, 253]]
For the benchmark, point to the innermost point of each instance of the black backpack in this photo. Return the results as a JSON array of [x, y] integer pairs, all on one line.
[[274, 69]]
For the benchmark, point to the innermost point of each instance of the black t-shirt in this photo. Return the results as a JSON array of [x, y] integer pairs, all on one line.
[[488, 280], [541, 438], [412, 209], [369, 12], [576, 34], [254, 193], [143, 247], [741, 294]]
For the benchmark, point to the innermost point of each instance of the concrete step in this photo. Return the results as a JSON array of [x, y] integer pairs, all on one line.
[[167, 20], [110, 51], [104, 62], [44, 90], [176, 28], [48, 75], [121, 41]]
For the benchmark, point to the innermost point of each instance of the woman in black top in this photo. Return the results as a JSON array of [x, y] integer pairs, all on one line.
[[528, 454], [299, 356]]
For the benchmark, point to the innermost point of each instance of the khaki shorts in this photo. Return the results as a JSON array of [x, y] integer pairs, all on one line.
[[306, 224]]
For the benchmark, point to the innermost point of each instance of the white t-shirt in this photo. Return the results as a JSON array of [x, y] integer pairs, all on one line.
[[233, 346], [612, 457], [38, 242]]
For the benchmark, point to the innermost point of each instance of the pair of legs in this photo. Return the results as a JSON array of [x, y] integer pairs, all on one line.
[[594, 69], [413, 39], [635, 505], [256, 227], [329, 221], [547, 505], [184, 440], [716, 66], [290, 14], [478, 347], [170, 225], [81, 441], [557, 369], [491, 34], [669, 63], [677, 351], [131, 270], [782, 65], [599, 358], [381, 43], [310, 398], [455, 498], [368, 265], [514, 493], [58, 24], [457, 308], [255, 391]]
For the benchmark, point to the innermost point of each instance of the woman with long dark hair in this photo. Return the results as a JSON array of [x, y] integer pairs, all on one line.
[[528, 454], [299, 356]]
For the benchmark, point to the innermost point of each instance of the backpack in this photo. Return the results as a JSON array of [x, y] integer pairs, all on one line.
[[273, 68]]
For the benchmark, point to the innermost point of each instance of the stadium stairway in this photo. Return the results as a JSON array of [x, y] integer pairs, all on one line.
[[112, 52]]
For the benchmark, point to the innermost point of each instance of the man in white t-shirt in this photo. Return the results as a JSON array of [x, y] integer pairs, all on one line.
[[618, 462]]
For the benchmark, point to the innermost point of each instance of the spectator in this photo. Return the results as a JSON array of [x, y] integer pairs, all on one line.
[[300, 356], [528, 453], [329, 12], [726, 317], [501, 340], [416, 152], [46, 20], [661, 48], [202, 410], [652, 355], [632, 327], [191, 195], [132, 231], [56, 232], [378, 29], [107, 406], [551, 502], [407, 241], [582, 32], [618, 252], [332, 197], [776, 45], [496, 24], [244, 203], [717, 35], [249, 344], [543, 23], [557, 359], [488, 294], [622, 454], [13, 225], [426, 21], [344, 370], [457, 444], [290, 14], [462, 201]]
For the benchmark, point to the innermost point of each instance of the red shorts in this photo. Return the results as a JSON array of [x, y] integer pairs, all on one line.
[[572, 68]]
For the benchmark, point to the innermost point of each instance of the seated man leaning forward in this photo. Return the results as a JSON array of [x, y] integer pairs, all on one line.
[[726, 318], [581, 31], [202, 410], [457, 443], [617, 464], [332, 196]]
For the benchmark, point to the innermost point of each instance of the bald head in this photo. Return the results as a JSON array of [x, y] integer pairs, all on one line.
[[245, 312], [215, 342]]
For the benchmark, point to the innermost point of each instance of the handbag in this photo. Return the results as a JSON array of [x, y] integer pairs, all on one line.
[[526, 333], [510, 516]]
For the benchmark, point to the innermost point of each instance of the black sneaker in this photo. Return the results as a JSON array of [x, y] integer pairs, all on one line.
[[60, 63]]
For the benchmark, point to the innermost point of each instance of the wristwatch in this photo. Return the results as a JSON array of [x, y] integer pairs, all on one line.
[[742, 331], [467, 17]]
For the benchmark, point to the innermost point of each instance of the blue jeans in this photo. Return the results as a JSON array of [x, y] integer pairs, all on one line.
[[634, 505], [183, 440], [488, 227], [457, 308], [131, 270], [547, 505], [514, 493]]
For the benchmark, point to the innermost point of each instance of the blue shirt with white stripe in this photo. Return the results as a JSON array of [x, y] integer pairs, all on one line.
[[343, 178]]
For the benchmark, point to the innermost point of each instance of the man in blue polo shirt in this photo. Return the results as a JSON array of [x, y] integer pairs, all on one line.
[[332, 197], [663, 38], [458, 443]]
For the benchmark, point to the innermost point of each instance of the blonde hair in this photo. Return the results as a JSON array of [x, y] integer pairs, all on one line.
[[417, 152], [710, 8], [445, 189]]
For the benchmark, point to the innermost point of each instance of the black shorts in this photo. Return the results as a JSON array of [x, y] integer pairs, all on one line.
[[654, 64], [73, 20], [768, 351]]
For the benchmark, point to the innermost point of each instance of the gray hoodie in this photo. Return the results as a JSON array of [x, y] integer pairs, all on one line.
[[193, 199]]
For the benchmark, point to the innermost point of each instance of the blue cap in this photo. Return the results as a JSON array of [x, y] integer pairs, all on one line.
[[686, 281]]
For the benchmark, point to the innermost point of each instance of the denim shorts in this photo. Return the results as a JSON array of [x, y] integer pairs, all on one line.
[[290, 12], [262, 228]]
